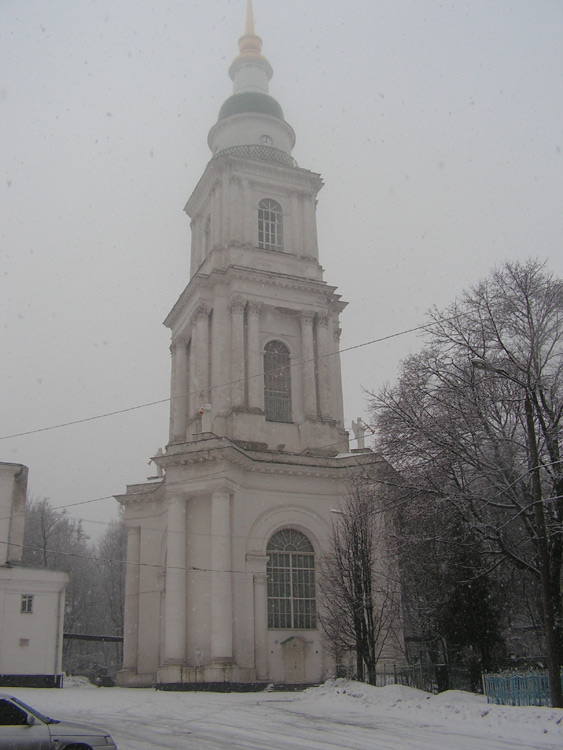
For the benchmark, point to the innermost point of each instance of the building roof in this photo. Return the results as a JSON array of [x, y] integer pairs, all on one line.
[[251, 101]]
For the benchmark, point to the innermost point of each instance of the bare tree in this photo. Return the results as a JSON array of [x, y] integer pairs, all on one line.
[[111, 554], [476, 419], [95, 593], [51, 536], [359, 584]]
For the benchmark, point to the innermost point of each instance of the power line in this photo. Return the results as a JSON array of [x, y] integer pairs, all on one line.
[[221, 472], [94, 558], [221, 385]]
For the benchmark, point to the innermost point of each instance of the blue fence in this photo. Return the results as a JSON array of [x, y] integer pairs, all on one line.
[[518, 688]]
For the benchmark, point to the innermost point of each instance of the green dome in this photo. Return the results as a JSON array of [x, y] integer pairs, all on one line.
[[251, 101]]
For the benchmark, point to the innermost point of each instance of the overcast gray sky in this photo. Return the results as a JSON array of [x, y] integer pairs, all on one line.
[[437, 126]]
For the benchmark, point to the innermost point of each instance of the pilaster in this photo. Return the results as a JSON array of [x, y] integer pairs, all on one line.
[[323, 352], [220, 358], [201, 353], [180, 390], [255, 359], [225, 207], [237, 352], [308, 366], [337, 374], [131, 613], [295, 223], [310, 226], [237, 210], [175, 597], [221, 584], [249, 236], [260, 625], [216, 213]]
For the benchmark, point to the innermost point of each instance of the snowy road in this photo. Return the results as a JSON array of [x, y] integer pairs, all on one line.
[[337, 716], [268, 727]]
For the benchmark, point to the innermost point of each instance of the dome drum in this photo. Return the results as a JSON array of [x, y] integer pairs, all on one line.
[[251, 128]]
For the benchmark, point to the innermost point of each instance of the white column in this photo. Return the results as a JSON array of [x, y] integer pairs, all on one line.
[[175, 601], [249, 227], [200, 356], [194, 246], [173, 389], [180, 390], [308, 366], [323, 364], [225, 216], [237, 353], [236, 212], [220, 356], [131, 612], [255, 359], [221, 584], [260, 625], [193, 398], [337, 375], [310, 225], [215, 217], [297, 239]]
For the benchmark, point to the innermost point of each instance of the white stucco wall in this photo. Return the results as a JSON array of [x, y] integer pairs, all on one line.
[[13, 489], [31, 642]]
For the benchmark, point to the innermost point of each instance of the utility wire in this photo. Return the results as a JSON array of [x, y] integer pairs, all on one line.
[[221, 385], [124, 562]]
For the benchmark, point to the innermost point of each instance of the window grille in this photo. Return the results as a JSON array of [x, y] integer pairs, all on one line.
[[27, 603], [264, 153], [291, 581], [270, 225], [277, 382]]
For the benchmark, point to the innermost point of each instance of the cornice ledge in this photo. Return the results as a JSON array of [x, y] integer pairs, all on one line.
[[138, 493], [262, 461], [275, 279]]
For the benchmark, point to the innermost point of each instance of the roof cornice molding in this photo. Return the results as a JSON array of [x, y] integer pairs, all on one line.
[[254, 170], [207, 282], [216, 449]]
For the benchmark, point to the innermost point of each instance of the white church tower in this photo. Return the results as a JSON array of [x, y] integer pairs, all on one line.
[[224, 545]]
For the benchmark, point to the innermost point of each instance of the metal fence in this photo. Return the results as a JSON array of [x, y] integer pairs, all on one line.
[[518, 688], [435, 678]]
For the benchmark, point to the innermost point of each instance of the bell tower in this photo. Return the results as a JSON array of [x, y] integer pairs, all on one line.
[[255, 332], [224, 544]]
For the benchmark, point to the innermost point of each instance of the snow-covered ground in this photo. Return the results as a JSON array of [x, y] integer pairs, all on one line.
[[338, 715]]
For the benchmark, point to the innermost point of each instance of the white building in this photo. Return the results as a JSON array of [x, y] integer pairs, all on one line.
[[31, 599], [224, 547]]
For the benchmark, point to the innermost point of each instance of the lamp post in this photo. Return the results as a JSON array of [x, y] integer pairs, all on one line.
[[548, 603]]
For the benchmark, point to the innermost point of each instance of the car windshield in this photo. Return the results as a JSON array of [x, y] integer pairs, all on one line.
[[35, 712]]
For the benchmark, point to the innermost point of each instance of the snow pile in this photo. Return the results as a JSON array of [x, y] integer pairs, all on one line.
[[76, 681], [340, 714], [526, 723]]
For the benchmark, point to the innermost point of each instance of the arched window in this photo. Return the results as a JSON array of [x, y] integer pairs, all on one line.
[[270, 225], [277, 382], [291, 581]]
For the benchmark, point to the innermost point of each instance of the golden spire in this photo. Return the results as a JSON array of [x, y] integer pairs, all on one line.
[[249, 18], [249, 44]]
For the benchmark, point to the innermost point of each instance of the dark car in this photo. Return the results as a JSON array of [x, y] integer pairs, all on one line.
[[24, 728]]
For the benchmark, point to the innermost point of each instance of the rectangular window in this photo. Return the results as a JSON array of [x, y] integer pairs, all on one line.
[[291, 591], [27, 603], [277, 382]]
